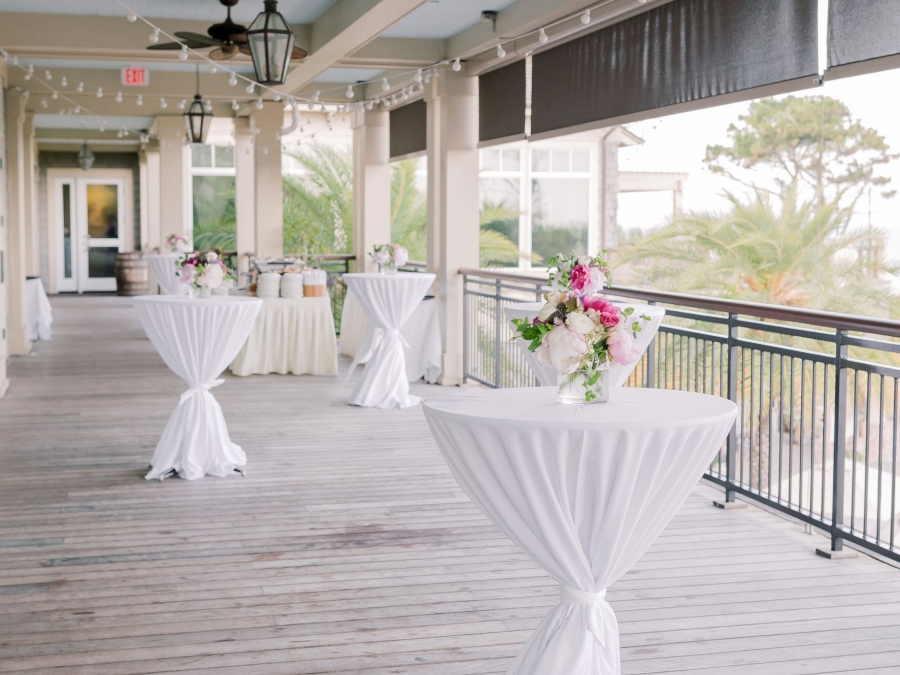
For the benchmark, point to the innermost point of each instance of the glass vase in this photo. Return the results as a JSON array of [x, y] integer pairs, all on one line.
[[583, 387], [387, 268]]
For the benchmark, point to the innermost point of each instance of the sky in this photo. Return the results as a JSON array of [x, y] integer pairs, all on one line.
[[678, 143]]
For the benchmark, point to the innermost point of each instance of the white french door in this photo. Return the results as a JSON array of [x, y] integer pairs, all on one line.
[[90, 232]]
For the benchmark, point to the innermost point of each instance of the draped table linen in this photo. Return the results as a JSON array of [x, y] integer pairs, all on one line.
[[388, 301], [38, 312], [422, 332], [618, 373], [197, 339], [166, 274], [290, 336], [582, 489]]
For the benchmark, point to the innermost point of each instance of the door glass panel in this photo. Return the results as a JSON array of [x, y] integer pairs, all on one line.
[[103, 211], [102, 261], [224, 156], [560, 216], [201, 155], [67, 230]]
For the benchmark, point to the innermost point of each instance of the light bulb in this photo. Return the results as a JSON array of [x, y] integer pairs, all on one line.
[[183, 54], [154, 36], [234, 105], [48, 75], [64, 82], [140, 100], [276, 97], [437, 73], [322, 109], [501, 53], [259, 103], [427, 78], [99, 93], [310, 105], [44, 103], [181, 104], [102, 125], [369, 105], [387, 103], [119, 133], [315, 96], [162, 103], [80, 87], [349, 93], [265, 151], [132, 17], [543, 38], [29, 72], [232, 80], [118, 97], [249, 88], [213, 68], [418, 77], [457, 66], [144, 138], [385, 85], [77, 109], [15, 60], [586, 17], [54, 95], [394, 99], [207, 106]]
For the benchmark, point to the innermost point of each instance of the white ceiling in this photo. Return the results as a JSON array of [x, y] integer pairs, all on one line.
[[92, 122], [295, 11], [349, 75], [245, 68], [440, 19]]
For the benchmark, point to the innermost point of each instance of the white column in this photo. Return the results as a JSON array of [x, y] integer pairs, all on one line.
[[4, 239], [30, 211], [174, 178], [371, 184], [150, 204], [453, 204], [244, 191], [19, 344], [268, 188]]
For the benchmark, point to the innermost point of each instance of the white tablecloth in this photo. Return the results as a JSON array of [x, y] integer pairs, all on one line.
[[583, 489], [422, 332], [388, 300], [197, 338], [290, 336], [618, 373], [163, 267], [38, 312]]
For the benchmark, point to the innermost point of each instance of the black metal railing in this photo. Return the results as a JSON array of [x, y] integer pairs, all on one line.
[[815, 390], [336, 265]]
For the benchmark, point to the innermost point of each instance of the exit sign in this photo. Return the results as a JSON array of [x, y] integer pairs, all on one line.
[[135, 77]]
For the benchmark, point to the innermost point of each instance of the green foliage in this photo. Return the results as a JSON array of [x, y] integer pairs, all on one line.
[[215, 224], [408, 209], [811, 141], [318, 205]]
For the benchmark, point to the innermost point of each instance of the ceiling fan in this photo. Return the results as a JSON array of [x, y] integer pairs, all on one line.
[[228, 39]]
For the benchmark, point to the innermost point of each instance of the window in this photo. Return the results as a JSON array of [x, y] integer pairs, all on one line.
[[212, 185]]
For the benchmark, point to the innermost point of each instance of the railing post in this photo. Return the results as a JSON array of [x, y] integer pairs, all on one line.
[[840, 433], [465, 358], [651, 356], [498, 325], [731, 444]]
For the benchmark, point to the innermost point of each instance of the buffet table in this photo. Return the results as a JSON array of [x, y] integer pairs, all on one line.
[[162, 265], [38, 312], [422, 333], [291, 336], [582, 489], [197, 339]]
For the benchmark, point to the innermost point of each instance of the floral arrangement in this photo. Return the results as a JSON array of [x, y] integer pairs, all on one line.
[[390, 256], [578, 331], [203, 271], [178, 243]]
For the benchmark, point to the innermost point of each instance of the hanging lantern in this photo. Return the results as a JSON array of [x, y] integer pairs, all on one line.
[[196, 118], [85, 157], [271, 43]]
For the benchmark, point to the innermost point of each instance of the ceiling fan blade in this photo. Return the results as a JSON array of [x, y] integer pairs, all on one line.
[[298, 53], [198, 39], [223, 53], [238, 38], [165, 46]]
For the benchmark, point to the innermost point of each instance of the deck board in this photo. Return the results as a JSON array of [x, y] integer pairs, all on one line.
[[348, 548]]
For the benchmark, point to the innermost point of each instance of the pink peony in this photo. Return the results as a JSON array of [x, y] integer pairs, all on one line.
[[579, 277], [563, 349], [401, 255], [187, 273], [622, 347], [610, 315]]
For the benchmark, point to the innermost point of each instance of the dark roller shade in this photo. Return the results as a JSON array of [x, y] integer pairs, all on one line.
[[861, 31], [501, 104], [683, 51], [408, 129]]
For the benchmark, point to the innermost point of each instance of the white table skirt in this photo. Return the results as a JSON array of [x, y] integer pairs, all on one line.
[[421, 331], [197, 339], [388, 300], [547, 376], [291, 336], [38, 312], [162, 265], [583, 489]]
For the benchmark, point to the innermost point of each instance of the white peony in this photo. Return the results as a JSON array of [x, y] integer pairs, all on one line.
[[565, 349], [596, 283], [622, 347], [212, 276], [211, 257], [401, 256], [382, 256], [546, 311], [580, 323], [557, 298]]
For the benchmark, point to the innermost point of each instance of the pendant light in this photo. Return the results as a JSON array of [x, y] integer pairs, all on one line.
[[271, 44], [85, 157], [196, 119]]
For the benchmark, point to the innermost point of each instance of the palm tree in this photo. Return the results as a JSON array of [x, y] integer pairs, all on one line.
[[408, 209]]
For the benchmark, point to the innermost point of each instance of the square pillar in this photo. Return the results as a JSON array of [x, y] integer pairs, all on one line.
[[268, 188], [150, 204], [17, 226], [175, 212], [371, 185], [453, 225], [30, 211], [244, 191]]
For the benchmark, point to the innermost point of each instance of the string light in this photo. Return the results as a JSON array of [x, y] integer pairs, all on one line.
[[543, 38], [315, 96], [64, 82], [349, 93], [233, 79], [118, 97], [457, 66], [182, 104], [385, 85], [154, 36], [259, 103], [250, 88], [80, 87], [234, 105], [418, 77], [213, 68], [163, 104], [276, 97], [132, 17], [54, 95], [44, 103], [183, 54], [586, 17], [48, 75], [99, 93], [501, 53], [140, 100]]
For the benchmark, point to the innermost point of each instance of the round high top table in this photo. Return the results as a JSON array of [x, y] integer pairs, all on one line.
[[197, 338], [163, 267], [388, 300], [618, 373], [582, 489]]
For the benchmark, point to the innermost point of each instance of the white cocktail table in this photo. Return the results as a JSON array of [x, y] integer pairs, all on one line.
[[388, 300], [166, 274], [197, 338], [582, 489]]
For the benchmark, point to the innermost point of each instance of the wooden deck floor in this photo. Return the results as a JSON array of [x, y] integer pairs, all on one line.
[[348, 548]]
